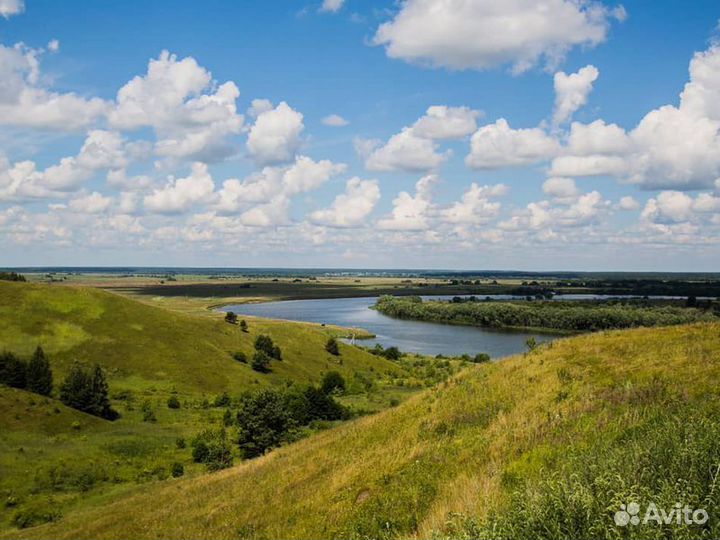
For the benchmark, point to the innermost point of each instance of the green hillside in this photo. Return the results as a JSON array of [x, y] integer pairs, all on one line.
[[547, 444], [145, 347]]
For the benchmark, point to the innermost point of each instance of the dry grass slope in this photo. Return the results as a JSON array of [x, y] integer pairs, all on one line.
[[462, 448]]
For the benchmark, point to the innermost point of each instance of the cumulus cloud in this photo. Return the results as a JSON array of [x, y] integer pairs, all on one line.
[[26, 102], [475, 206], [180, 194], [169, 98], [93, 203], [443, 122], [8, 8], [571, 92], [671, 206], [561, 189], [303, 176], [352, 207], [404, 151], [411, 213], [498, 145], [481, 34], [334, 120], [275, 135], [53, 45], [628, 203], [672, 147]]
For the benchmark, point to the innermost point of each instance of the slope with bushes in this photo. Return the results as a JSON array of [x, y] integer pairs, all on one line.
[[542, 445]]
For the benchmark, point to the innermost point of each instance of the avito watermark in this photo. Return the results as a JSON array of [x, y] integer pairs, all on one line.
[[680, 514]]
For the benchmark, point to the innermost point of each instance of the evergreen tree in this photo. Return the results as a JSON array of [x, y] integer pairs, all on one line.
[[13, 371], [39, 374], [87, 391]]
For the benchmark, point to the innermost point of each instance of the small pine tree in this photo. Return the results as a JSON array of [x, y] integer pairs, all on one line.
[[332, 346], [13, 371], [87, 391], [39, 374], [243, 326]]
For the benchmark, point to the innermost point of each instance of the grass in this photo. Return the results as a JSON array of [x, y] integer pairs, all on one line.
[[54, 460], [545, 444]]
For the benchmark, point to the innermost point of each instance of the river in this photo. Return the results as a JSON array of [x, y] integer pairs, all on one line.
[[410, 336]]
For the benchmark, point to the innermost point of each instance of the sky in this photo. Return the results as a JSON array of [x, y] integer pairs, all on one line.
[[448, 134]]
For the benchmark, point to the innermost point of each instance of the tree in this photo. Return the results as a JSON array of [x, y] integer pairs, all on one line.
[[86, 390], [264, 422], [332, 346], [230, 317], [13, 371], [173, 402], [332, 382], [211, 448], [243, 326], [265, 344], [39, 375], [260, 362], [531, 344]]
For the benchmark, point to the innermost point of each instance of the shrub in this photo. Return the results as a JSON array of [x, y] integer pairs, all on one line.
[[332, 382], [260, 362], [332, 346], [481, 358], [180, 443], [173, 402], [230, 317], [240, 357], [211, 448], [223, 400], [264, 422], [243, 326], [392, 353], [177, 470]]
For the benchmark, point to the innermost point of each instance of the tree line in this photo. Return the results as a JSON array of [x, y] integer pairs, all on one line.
[[570, 316], [84, 388]]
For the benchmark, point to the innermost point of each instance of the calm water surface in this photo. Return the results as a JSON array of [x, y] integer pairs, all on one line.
[[411, 336]]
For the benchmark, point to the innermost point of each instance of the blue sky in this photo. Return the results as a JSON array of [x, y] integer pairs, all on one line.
[[644, 195]]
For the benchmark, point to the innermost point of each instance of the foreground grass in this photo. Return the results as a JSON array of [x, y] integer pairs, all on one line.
[[542, 445]]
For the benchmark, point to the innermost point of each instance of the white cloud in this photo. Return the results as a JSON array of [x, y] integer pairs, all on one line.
[[405, 151], [8, 8], [180, 194], [480, 34], [53, 45], [270, 214], [24, 101], [331, 6], [475, 206], [571, 92], [275, 136], [352, 207], [498, 145], [672, 147], [189, 124], [303, 176], [411, 213], [628, 203], [670, 207], [334, 120], [561, 188], [443, 122], [93, 203]]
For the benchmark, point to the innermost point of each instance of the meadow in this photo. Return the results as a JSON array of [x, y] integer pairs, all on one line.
[[55, 459], [544, 445]]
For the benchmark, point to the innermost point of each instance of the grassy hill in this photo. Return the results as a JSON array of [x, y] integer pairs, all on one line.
[[145, 347], [543, 445]]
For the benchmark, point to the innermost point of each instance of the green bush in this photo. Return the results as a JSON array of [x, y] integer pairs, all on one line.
[[265, 344], [332, 346], [332, 382], [260, 362], [211, 448], [240, 357], [177, 470], [173, 402]]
